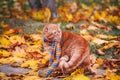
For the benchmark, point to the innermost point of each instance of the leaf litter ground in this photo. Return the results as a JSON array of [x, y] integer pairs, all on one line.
[[21, 48], [23, 51]]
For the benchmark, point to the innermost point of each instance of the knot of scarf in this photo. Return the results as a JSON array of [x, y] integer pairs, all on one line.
[[55, 54]]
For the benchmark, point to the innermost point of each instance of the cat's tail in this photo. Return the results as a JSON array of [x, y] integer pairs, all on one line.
[[67, 64]]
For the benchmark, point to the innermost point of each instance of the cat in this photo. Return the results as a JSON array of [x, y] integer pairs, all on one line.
[[75, 50]]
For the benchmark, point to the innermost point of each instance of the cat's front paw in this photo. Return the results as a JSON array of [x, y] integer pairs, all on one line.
[[42, 73]]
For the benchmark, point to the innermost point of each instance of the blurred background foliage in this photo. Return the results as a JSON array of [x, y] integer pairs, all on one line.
[[21, 9]]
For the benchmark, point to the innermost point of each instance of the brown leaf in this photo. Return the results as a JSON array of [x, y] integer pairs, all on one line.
[[111, 63], [36, 55]]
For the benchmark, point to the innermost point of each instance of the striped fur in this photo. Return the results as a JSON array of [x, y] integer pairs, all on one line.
[[75, 49]]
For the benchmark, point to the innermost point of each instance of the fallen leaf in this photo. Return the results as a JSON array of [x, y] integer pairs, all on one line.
[[15, 38], [36, 55], [98, 41], [33, 48], [15, 59], [43, 14], [109, 45], [4, 53], [80, 77], [33, 64], [45, 58], [70, 27], [4, 41], [32, 78], [13, 31], [99, 61], [111, 64]]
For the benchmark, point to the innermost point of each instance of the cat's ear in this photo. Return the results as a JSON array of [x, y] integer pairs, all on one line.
[[58, 25]]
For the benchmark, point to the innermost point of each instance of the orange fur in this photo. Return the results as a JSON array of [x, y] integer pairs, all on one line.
[[75, 49]]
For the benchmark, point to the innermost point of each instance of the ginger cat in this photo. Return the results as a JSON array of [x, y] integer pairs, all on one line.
[[75, 50]]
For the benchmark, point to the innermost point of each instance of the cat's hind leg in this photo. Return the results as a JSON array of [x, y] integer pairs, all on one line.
[[87, 65]]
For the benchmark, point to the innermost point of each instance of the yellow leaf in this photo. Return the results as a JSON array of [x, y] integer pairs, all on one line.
[[44, 14], [9, 32], [46, 58], [111, 75], [99, 61], [77, 77], [109, 45], [4, 61], [80, 77], [16, 38], [21, 55], [114, 77], [32, 78], [33, 64], [69, 17], [19, 52], [38, 15], [4, 41], [2, 74], [34, 48], [4, 53], [103, 36], [36, 37], [15, 59], [78, 71], [40, 31]]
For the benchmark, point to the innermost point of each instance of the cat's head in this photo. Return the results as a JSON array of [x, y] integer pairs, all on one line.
[[52, 32]]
